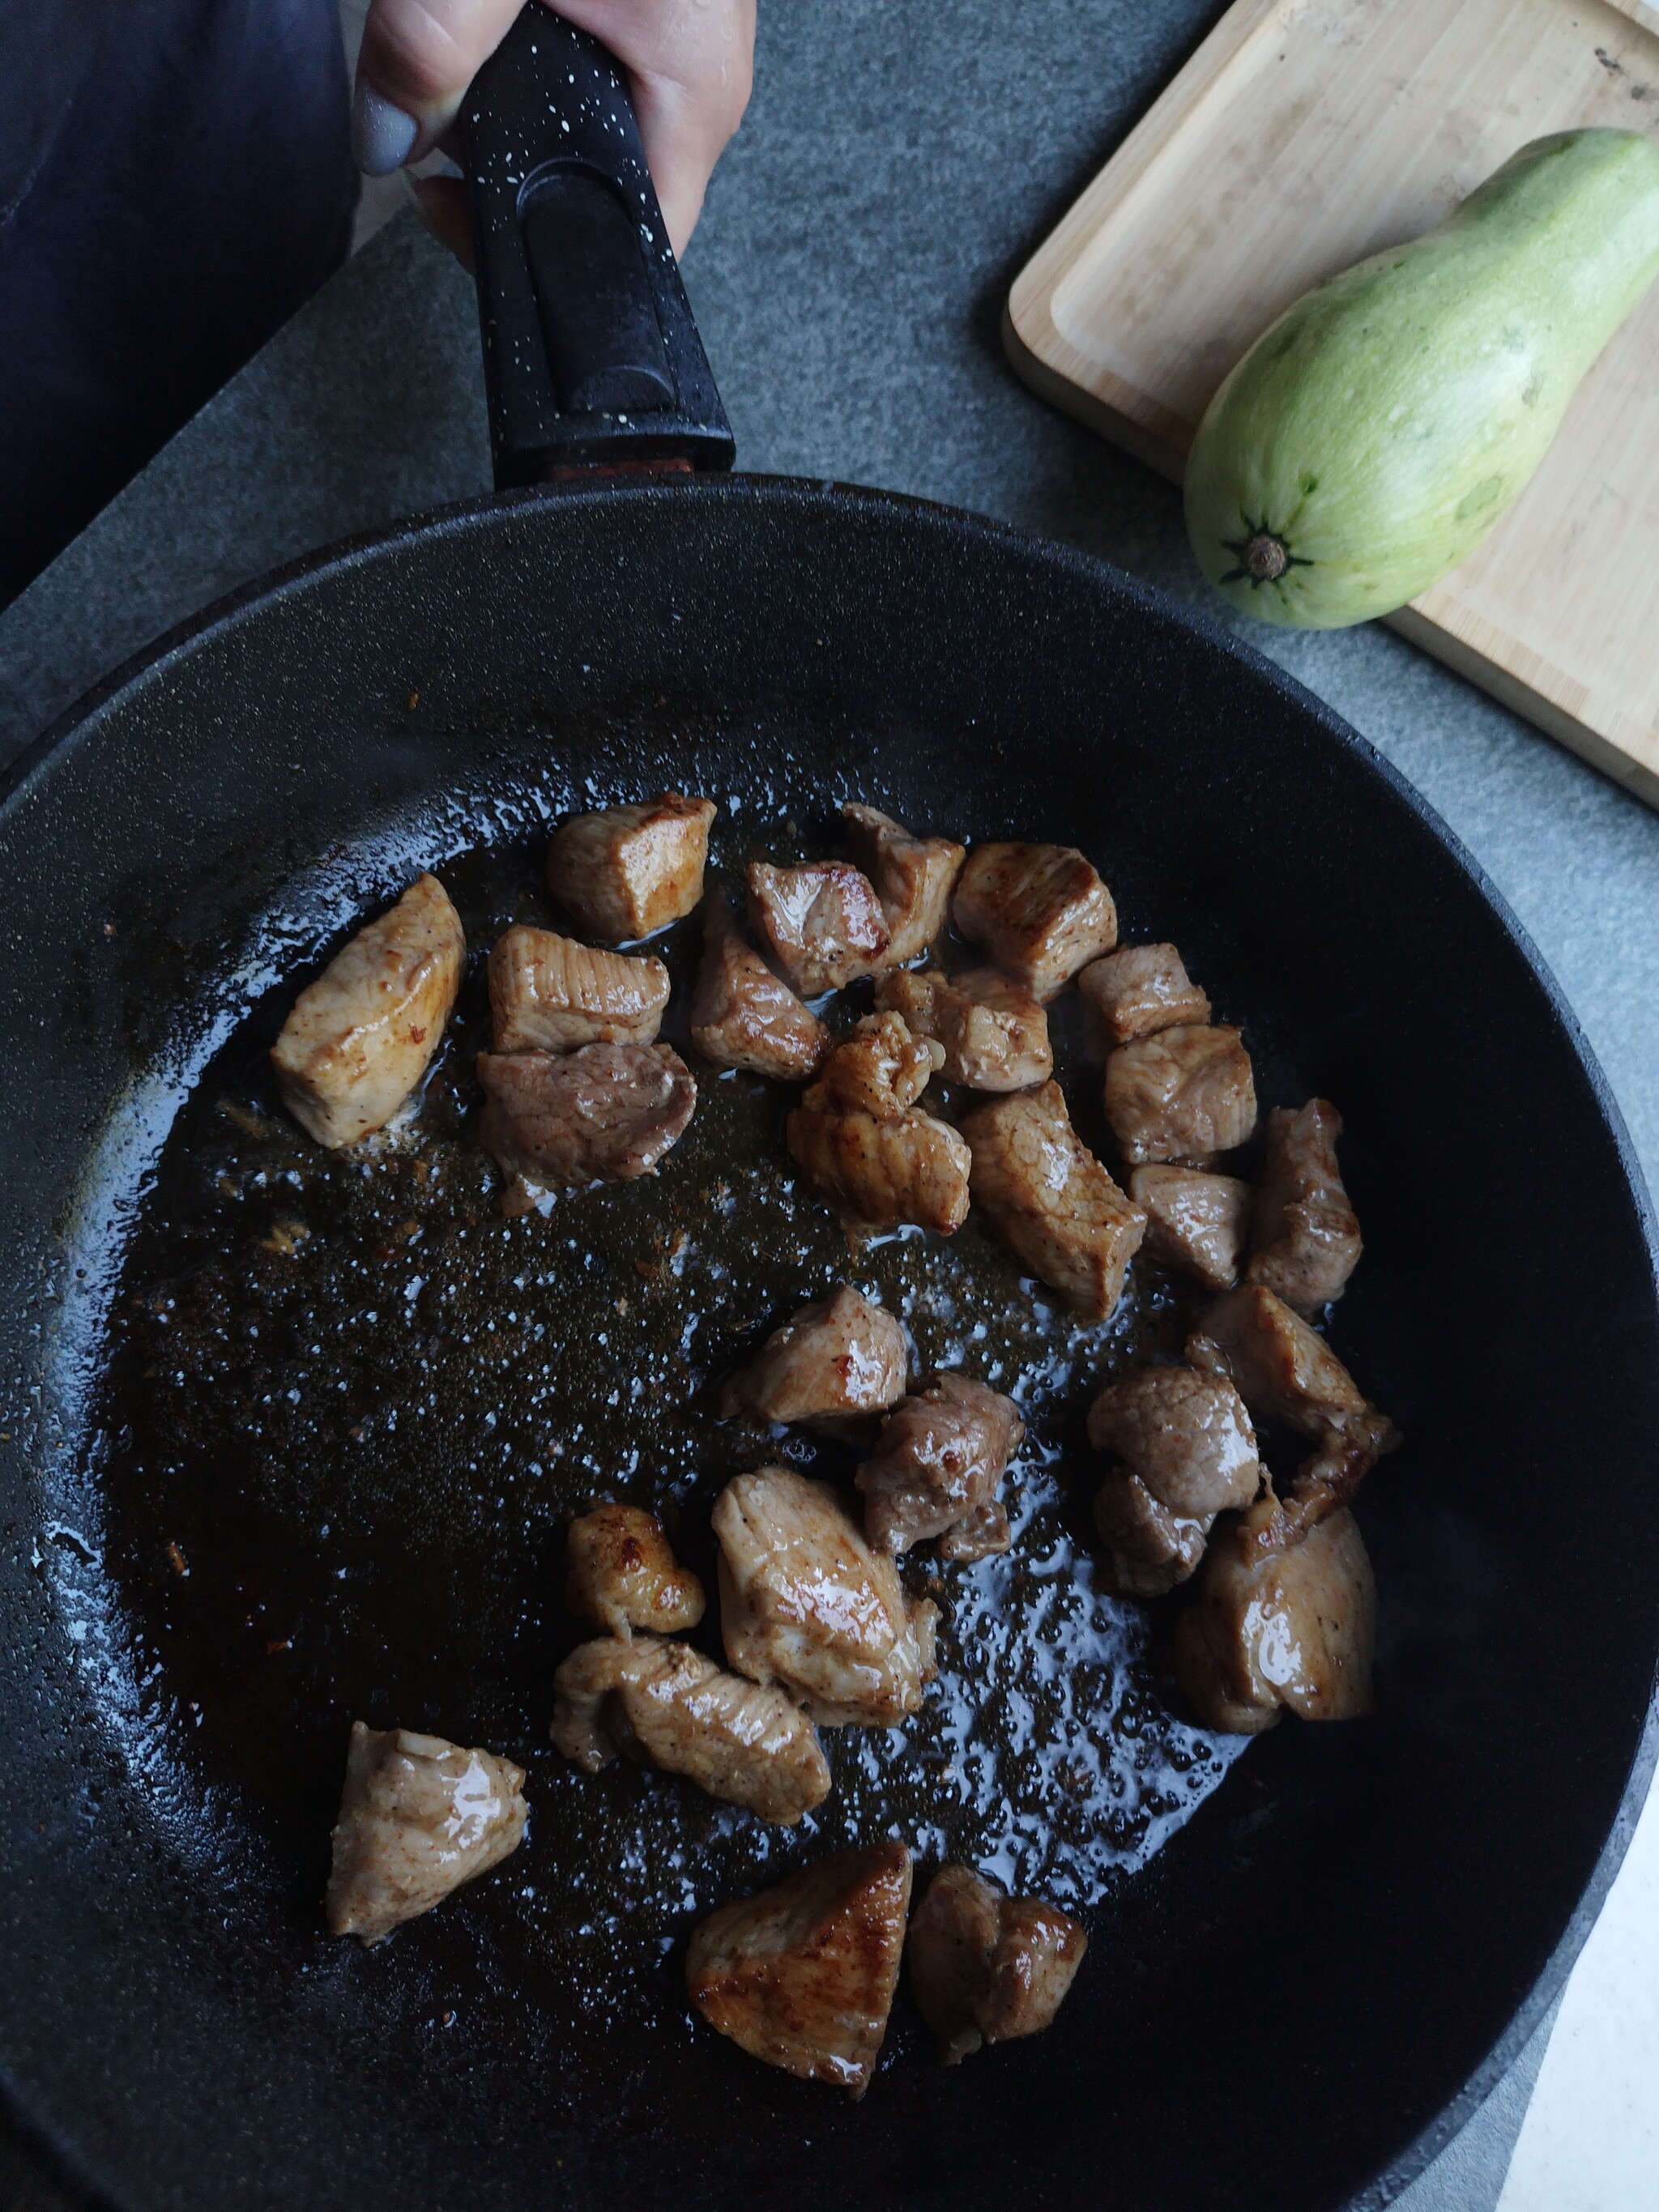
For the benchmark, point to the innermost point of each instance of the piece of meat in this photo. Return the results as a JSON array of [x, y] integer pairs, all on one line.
[[985, 1967], [605, 1112], [940, 1455], [833, 1366], [1307, 1238], [1284, 1370], [360, 1037], [665, 1705], [551, 993], [1195, 1221], [802, 1976], [1189, 1453], [1292, 1628], [1142, 988], [418, 1817], [914, 877], [806, 1603], [621, 1573], [821, 922], [743, 1015], [858, 1135], [1149, 1550], [981, 1534], [882, 1068], [1048, 1196], [1041, 911], [628, 871], [1181, 1095], [993, 1034]]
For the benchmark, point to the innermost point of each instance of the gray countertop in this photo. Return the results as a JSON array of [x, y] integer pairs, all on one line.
[[900, 161]]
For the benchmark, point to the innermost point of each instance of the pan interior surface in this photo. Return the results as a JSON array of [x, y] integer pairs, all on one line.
[[206, 1568]]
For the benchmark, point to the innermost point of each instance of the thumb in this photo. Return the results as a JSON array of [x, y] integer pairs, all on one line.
[[417, 58]]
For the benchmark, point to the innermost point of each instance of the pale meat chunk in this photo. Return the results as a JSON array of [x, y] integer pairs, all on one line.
[[1195, 1221], [1307, 1237], [743, 1015], [1039, 911], [985, 1967], [1050, 1198], [665, 1705], [605, 1112], [1283, 1368], [418, 1817], [550, 994], [861, 1138], [981, 1534], [802, 1976], [833, 1366], [1150, 1551], [360, 1037], [821, 922], [621, 1573], [940, 1455], [1142, 988], [628, 871], [1181, 1095], [914, 877], [806, 1603], [993, 1034], [1189, 1453]]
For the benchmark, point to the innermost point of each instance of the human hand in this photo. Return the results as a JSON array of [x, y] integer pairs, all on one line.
[[690, 62]]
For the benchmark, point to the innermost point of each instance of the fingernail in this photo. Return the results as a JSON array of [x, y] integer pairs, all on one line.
[[381, 135]]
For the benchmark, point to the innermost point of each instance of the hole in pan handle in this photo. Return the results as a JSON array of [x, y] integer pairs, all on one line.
[[592, 357]]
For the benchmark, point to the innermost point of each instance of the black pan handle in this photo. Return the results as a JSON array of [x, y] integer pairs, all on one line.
[[592, 357]]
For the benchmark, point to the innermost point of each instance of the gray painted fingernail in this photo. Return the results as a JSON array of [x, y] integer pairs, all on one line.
[[381, 135]]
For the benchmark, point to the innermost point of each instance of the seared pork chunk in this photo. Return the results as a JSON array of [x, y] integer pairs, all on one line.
[[1181, 1095], [821, 922], [912, 877], [981, 1534], [985, 1967], [1050, 1198], [806, 1603], [1142, 988], [802, 1976], [1041, 912], [831, 1367], [1149, 1549], [940, 1455], [666, 1705], [882, 1068], [1189, 1453], [607, 1111], [1194, 1221], [549, 993], [858, 1135], [628, 871], [1307, 1239], [993, 1034], [621, 1573], [362, 1036], [418, 1817], [743, 1015], [1284, 1370]]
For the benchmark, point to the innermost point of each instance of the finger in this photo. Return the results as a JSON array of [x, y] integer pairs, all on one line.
[[417, 58]]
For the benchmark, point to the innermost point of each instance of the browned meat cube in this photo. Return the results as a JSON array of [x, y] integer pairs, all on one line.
[[1296, 1628], [362, 1036], [822, 922], [1181, 1095], [802, 1976], [981, 1534], [805, 1602], [550, 994], [831, 1367], [1142, 988], [666, 1705], [993, 1033], [1050, 1198], [743, 1015], [1189, 1453], [1194, 1221], [1149, 1550], [1041, 911], [880, 1069], [859, 1136], [621, 1574], [418, 1817], [1307, 1239], [940, 1455], [984, 1967], [608, 1111], [628, 871], [1284, 1371], [914, 877]]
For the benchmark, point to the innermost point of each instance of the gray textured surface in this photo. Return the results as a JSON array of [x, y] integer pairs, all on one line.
[[899, 161]]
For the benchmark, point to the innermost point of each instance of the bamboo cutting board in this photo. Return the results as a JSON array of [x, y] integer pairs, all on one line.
[[1303, 135]]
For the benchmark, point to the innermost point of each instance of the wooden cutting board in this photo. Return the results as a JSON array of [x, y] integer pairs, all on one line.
[[1302, 136]]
